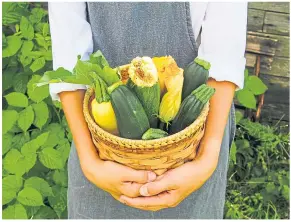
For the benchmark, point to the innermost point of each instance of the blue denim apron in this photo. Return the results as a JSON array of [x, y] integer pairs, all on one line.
[[123, 31]]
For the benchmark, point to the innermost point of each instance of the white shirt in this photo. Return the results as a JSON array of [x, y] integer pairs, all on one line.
[[223, 38]]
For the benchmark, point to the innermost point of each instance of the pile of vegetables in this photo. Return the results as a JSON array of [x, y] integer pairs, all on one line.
[[149, 98]]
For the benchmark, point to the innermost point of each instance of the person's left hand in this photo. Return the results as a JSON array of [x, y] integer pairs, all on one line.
[[169, 189]]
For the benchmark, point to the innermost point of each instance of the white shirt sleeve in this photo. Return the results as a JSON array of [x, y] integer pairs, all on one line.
[[223, 41], [71, 36]]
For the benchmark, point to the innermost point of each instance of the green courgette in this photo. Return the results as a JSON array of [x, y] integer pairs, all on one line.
[[191, 108]]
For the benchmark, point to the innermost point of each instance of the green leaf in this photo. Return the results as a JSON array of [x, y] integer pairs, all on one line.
[[12, 182], [19, 82], [285, 192], [26, 28], [37, 94], [246, 98], [8, 75], [27, 47], [45, 212], [9, 117], [238, 116], [12, 162], [242, 144], [57, 133], [41, 113], [232, 154], [64, 149], [37, 14], [99, 59], [17, 99], [18, 164], [45, 29], [26, 118], [16, 211], [109, 75], [37, 64], [60, 177], [83, 69], [32, 146], [19, 140], [31, 211], [25, 60], [41, 42], [40, 185], [6, 142], [12, 12], [255, 85], [13, 45], [270, 188], [7, 196], [30, 197], [51, 158], [59, 201]]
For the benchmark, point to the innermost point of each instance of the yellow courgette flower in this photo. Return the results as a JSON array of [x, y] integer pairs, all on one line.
[[143, 72]]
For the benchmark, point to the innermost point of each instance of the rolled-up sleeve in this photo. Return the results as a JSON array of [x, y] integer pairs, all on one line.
[[223, 41], [71, 36]]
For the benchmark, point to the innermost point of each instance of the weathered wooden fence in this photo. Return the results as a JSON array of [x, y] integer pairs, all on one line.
[[268, 38]]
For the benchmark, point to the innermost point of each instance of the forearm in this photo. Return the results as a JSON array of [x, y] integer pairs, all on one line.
[[72, 102], [220, 104]]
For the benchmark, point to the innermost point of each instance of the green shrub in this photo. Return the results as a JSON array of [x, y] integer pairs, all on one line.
[[36, 138], [259, 182]]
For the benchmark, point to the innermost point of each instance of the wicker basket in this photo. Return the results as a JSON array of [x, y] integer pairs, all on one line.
[[158, 155]]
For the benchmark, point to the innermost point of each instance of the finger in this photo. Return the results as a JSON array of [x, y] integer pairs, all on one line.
[[156, 187], [130, 189], [139, 176], [162, 200]]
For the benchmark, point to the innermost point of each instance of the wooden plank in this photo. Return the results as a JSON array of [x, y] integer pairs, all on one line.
[[275, 112], [279, 67], [278, 89], [266, 61], [271, 6], [283, 43], [261, 45], [255, 20], [276, 23]]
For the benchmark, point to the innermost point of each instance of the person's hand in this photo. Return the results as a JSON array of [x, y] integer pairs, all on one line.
[[169, 189], [115, 178]]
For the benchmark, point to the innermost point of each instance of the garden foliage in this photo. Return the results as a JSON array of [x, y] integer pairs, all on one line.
[[36, 137]]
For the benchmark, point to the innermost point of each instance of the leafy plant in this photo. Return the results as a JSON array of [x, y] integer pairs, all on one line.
[[36, 139], [253, 87], [259, 181]]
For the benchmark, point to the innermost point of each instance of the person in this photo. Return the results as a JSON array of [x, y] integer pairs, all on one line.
[[215, 32]]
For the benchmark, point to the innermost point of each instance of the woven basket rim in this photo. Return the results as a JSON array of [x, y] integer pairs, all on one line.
[[142, 143]]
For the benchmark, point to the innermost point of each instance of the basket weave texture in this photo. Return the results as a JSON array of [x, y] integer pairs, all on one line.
[[158, 155]]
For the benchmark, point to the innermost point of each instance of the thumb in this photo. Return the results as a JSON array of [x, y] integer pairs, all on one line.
[[156, 187]]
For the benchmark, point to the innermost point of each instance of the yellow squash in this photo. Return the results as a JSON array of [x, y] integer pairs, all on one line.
[[102, 109], [104, 116]]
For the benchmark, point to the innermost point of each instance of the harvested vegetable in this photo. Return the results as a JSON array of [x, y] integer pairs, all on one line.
[[101, 107], [166, 67], [171, 101], [196, 73], [132, 120], [142, 71], [144, 83], [152, 134], [191, 108]]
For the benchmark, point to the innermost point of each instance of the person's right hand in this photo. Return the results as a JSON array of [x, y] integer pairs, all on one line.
[[115, 178]]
